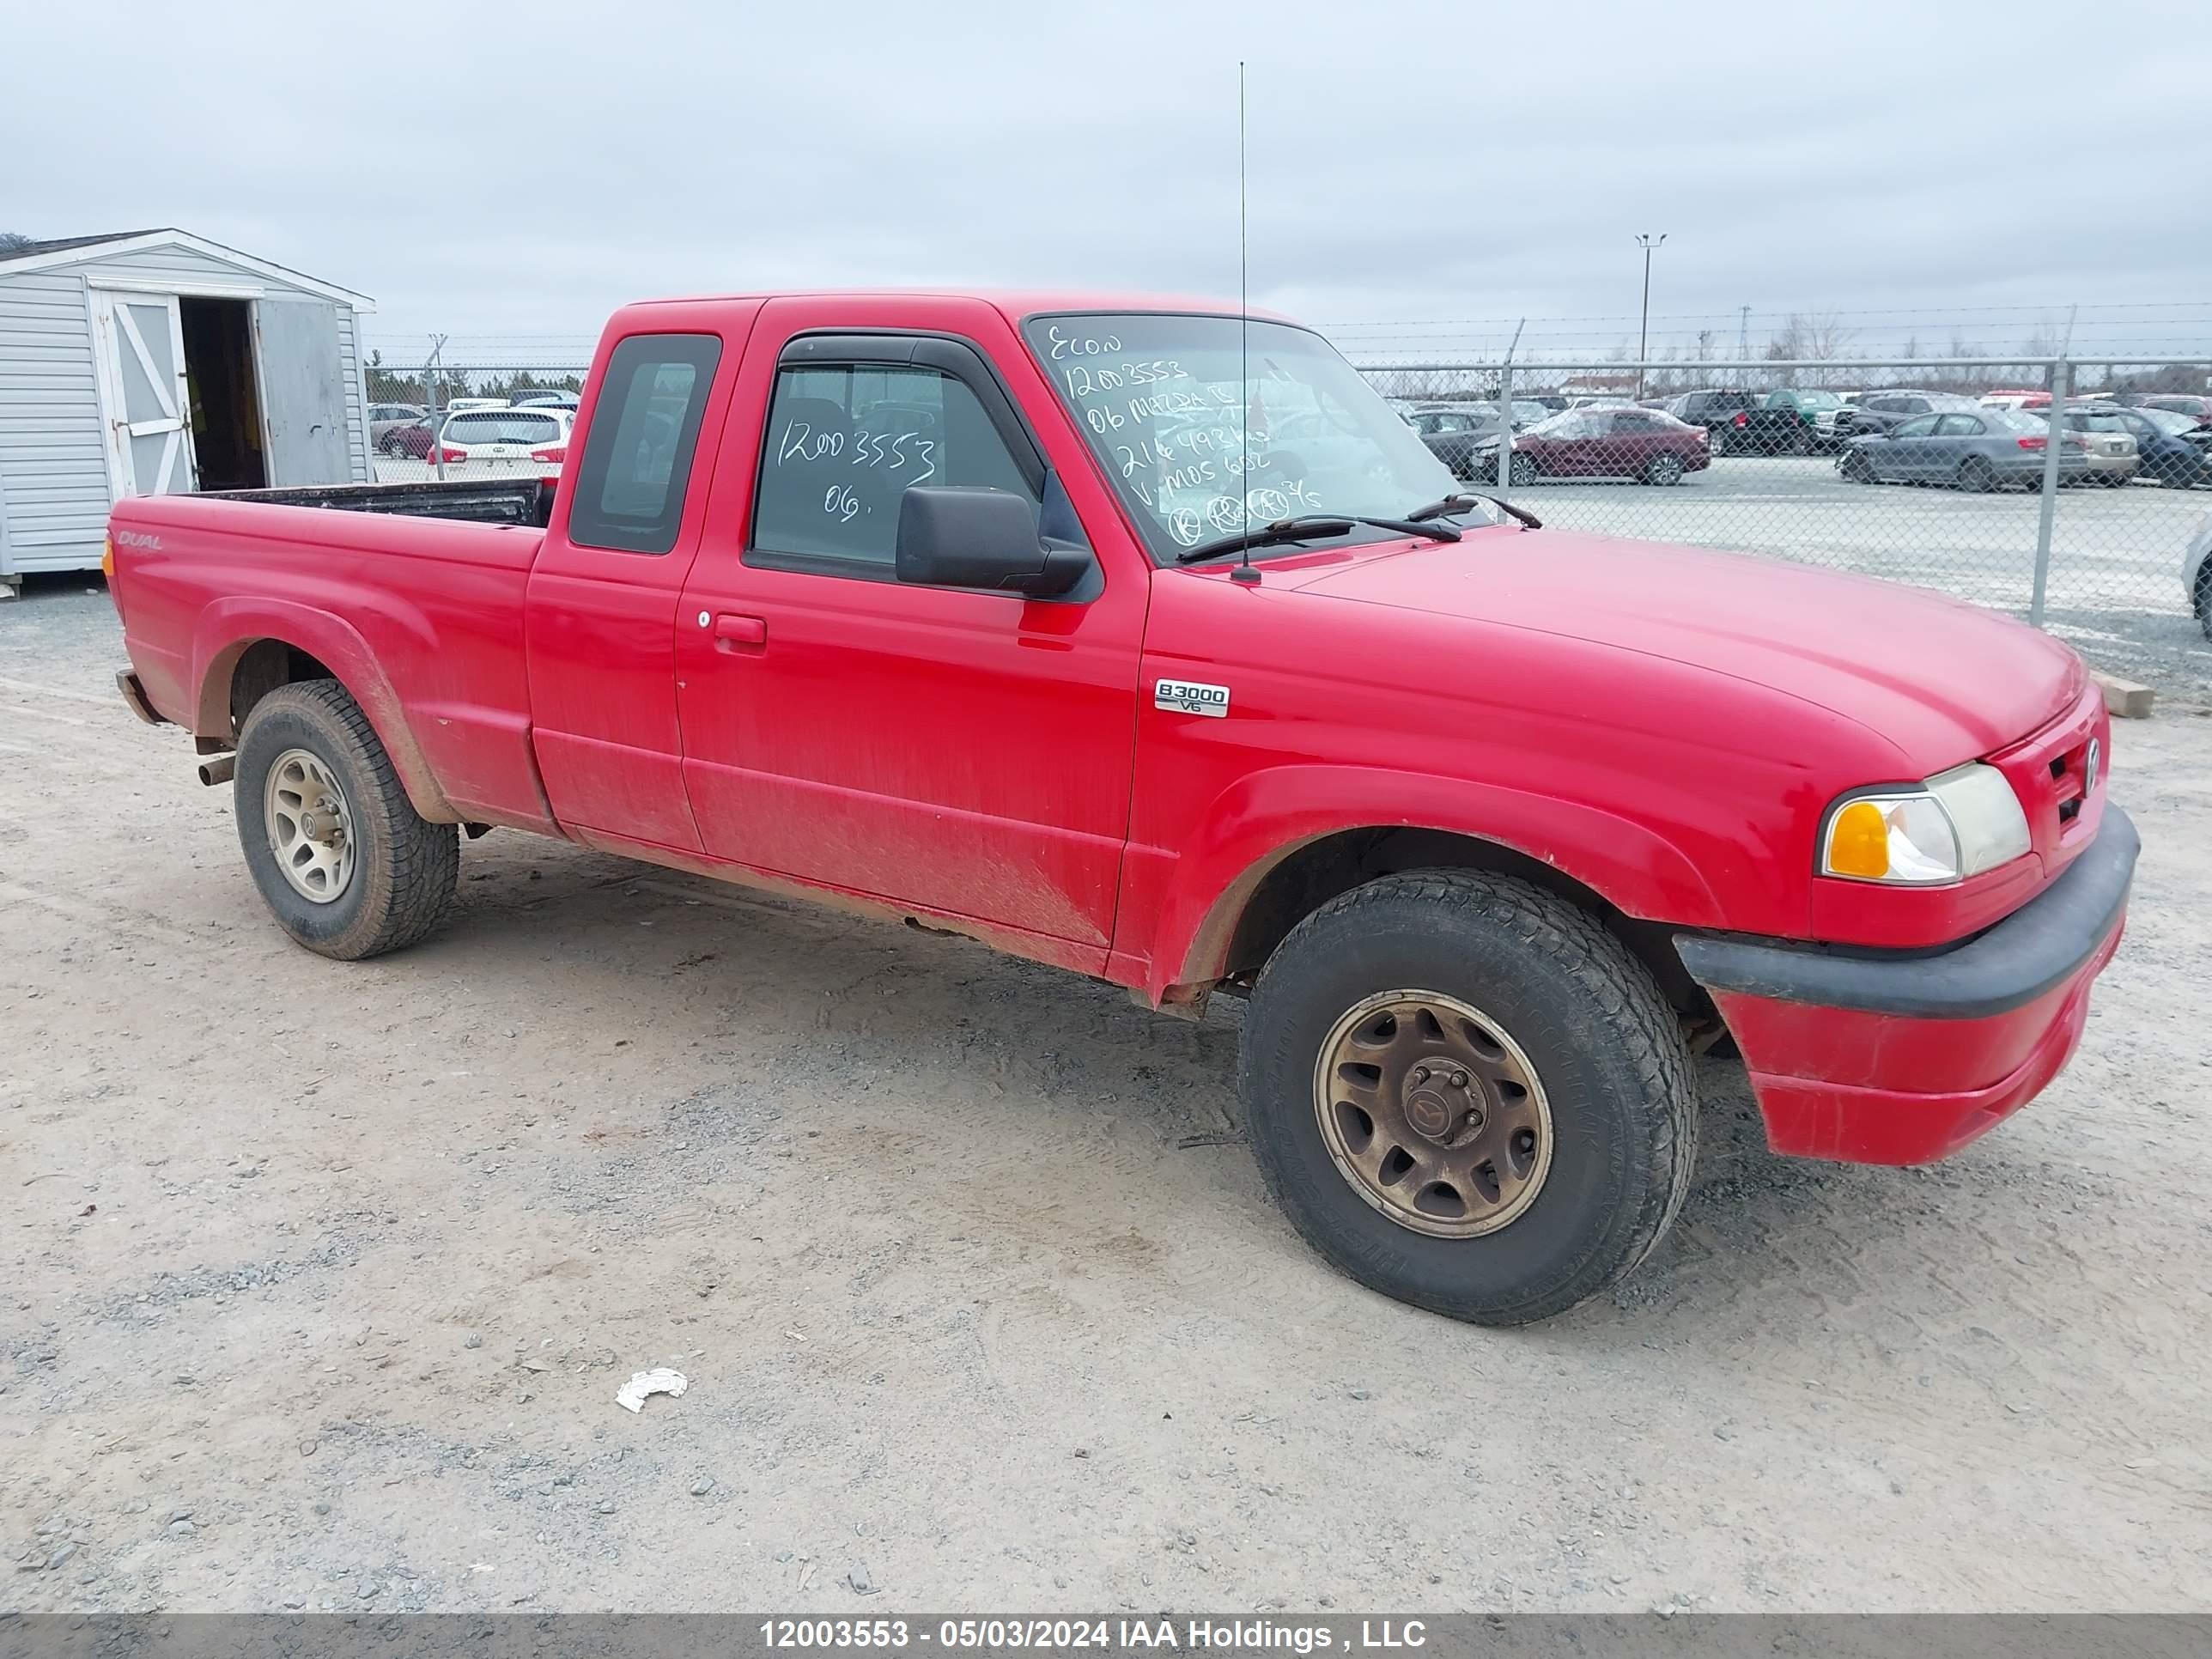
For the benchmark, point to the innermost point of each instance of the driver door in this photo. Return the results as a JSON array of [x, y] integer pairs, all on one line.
[[1912, 448], [966, 753]]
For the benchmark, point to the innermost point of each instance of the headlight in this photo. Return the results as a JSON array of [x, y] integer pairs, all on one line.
[[1957, 826]]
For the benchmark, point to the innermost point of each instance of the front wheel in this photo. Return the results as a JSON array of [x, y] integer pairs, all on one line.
[[1468, 1095], [1524, 469], [1853, 467], [341, 856]]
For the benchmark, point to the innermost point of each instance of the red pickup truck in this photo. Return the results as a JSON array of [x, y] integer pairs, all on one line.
[[1143, 639]]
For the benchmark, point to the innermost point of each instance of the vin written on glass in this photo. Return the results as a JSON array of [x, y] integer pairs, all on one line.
[[1209, 424]]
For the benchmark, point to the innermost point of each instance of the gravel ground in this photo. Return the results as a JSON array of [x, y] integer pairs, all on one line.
[[319, 1279]]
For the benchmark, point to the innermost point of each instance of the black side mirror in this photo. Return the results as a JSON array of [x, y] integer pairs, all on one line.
[[974, 538]]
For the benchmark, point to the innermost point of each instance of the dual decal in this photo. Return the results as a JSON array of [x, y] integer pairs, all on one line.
[[1188, 697]]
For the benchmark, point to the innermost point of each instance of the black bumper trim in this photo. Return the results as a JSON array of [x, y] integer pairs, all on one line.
[[2038, 947], [135, 694]]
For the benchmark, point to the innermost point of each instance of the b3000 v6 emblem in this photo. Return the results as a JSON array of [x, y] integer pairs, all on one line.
[[1187, 697]]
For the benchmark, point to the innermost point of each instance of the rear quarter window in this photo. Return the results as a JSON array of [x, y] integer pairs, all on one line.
[[636, 468]]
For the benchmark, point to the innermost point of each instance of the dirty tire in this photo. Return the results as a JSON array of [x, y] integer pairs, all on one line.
[[1604, 1043], [405, 867]]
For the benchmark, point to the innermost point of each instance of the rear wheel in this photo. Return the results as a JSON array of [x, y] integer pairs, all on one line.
[[1466, 1094], [1663, 470], [1978, 475], [342, 858], [1524, 469]]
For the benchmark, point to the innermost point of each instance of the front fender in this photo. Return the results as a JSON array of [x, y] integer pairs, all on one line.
[[1265, 816], [225, 629]]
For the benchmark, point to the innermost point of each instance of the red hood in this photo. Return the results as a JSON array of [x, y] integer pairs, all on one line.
[[1945, 681]]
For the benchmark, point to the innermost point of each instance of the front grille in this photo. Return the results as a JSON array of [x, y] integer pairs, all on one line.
[[2050, 772]]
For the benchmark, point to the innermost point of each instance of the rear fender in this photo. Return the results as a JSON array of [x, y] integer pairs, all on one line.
[[1266, 817], [225, 630]]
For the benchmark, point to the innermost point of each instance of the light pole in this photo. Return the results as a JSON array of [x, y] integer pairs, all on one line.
[[1648, 243]]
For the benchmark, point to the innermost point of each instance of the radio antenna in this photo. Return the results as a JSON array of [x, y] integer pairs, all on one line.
[[1243, 572]]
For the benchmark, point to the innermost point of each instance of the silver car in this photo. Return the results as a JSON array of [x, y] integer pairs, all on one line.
[[2196, 575], [1976, 449], [2106, 437]]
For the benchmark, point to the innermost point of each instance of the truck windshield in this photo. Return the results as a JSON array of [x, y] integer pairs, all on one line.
[[1198, 450]]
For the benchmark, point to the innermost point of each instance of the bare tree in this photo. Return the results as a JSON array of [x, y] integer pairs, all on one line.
[[1958, 348], [13, 241]]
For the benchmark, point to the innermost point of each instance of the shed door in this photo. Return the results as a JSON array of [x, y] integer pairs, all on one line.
[[140, 338], [303, 392]]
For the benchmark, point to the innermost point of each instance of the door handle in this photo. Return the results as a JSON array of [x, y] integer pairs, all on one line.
[[733, 633]]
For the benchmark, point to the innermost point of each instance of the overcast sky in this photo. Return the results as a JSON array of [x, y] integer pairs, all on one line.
[[517, 170]]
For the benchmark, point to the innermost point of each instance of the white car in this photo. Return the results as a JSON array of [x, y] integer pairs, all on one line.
[[2196, 575], [505, 439]]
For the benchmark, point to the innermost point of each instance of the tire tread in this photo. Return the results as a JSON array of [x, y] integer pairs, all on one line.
[[408, 899], [1625, 997]]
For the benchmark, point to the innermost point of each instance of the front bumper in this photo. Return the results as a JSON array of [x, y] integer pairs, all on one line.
[[1903, 1057]]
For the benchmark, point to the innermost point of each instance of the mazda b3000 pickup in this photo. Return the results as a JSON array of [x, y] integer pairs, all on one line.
[[1143, 639]]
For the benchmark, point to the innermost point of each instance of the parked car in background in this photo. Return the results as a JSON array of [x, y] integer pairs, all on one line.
[[1558, 402], [412, 440], [2015, 398], [2174, 450], [2177, 402], [383, 417], [2108, 440], [1816, 413], [1740, 423], [548, 400], [2196, 575], [1878, 412], [505, 438], [461, 405], [1647, 445], [1452, 434], [1975, 448]]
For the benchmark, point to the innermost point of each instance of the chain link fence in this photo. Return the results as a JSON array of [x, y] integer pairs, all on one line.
[[1938, 471], [437, 419], [1942, 473]]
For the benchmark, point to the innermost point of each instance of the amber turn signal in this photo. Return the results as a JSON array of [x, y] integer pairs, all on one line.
[[1858, 842]]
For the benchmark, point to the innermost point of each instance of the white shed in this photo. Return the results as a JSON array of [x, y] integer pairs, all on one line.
[[155, 361]]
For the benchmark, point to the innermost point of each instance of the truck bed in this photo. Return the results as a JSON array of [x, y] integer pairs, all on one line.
[[516, 500]]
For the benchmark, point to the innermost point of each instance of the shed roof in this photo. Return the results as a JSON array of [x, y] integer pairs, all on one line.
[[73, 250], [56, 244]]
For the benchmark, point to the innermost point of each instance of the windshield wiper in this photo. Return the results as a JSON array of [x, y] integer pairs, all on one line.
[[1461, 502], [1312, 525]]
